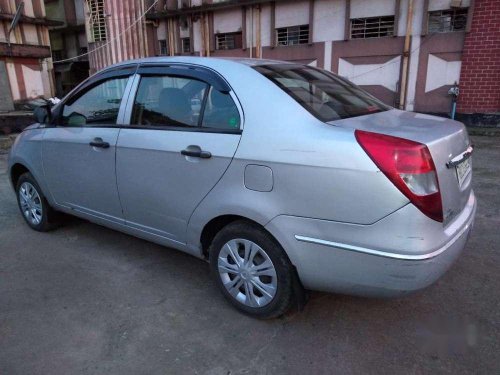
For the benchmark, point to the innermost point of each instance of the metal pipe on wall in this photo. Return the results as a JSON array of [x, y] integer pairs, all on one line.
[[258, 51], [251, 32], [406, 56], [202, 35], [171, 38], [207, 35]]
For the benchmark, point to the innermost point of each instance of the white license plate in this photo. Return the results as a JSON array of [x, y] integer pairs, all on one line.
[[463, 169]]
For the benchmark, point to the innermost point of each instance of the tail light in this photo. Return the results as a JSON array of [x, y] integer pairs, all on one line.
[[409, 166]]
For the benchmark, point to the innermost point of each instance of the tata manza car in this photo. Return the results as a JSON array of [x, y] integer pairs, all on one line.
[[283, 176]]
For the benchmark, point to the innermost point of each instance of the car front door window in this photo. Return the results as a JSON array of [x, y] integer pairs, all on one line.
[[98, 105]]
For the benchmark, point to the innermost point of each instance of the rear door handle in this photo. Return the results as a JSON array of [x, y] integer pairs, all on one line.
[[196, 152], [98, 142]]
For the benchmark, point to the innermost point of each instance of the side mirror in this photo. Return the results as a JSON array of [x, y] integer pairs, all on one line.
[[42, 114]]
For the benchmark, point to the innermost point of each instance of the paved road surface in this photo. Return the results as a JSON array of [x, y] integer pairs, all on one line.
[[87, 300]]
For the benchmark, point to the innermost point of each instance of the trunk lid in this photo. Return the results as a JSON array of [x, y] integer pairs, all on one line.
[[446, 139]]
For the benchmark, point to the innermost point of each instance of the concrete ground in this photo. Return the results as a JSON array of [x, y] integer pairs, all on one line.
[[87, 300]]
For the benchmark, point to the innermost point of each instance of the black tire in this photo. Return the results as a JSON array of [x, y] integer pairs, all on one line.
[[284, 294], [49, 217]]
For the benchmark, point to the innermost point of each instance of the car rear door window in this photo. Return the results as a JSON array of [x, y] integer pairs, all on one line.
[[98, 105], [168, 101], [220, 111]]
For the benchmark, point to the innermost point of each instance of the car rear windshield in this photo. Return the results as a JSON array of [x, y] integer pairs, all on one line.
[[325, 95]]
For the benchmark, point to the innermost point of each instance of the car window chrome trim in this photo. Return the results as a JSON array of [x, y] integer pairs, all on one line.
[[384, 254], [195, 129], [152, 127]]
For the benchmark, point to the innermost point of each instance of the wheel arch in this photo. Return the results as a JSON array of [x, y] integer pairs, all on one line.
[[213, 227], [16, 171]]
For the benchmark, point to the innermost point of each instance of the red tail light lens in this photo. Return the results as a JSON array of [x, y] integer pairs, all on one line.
[[409, 166]]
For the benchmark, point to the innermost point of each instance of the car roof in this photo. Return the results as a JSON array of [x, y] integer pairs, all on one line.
[[212, 62]]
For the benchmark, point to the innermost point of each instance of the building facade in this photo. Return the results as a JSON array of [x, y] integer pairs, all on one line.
[[408, 53], [480, 73], [113, 35], [25, 64], [68, 41]]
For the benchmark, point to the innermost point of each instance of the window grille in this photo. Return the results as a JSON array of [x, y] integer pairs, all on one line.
[[97, 20], [443, 21], [289, 36], [372, 27], [228, 41]]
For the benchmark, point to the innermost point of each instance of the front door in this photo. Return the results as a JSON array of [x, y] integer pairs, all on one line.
[[183, 135], [79, 152]]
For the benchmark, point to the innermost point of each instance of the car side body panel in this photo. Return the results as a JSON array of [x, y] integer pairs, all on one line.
[[402, 253], [79, 176], [159, 187], [27, 151], [315, 166]]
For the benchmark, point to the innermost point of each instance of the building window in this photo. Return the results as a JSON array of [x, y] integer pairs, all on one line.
[[443, 21], [228, 41], [97, 20], [186, 45], [57, 55], [163, 47], [289, 36], [372, 27]]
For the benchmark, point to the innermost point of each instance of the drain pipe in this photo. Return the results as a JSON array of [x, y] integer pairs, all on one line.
[[406, 56], [258, 52], [251, 33], [207, 34], [453, 92]]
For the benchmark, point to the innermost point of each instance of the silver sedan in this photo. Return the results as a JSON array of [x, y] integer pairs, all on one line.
[[283, 176]]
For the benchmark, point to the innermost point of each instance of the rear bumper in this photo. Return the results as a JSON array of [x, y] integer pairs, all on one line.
[[401, 253]]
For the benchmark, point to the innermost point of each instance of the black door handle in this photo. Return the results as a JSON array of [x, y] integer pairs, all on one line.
[[98, 142], [196, 152]]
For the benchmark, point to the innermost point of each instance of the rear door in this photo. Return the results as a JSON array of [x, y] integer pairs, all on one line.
[[184, 129], [78, 151]]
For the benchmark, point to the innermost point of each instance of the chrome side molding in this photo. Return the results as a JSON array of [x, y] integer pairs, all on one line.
[[379, 253]]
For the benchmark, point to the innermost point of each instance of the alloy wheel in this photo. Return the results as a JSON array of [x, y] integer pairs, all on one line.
[[31, 203]]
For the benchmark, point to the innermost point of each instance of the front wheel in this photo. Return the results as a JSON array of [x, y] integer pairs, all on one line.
[[34, 207], [252, 270]]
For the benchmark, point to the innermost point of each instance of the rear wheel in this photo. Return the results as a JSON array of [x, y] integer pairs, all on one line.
[[252, 270], [34, 207]]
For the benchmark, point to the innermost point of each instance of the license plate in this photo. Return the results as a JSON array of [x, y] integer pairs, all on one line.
[[463, 169]]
